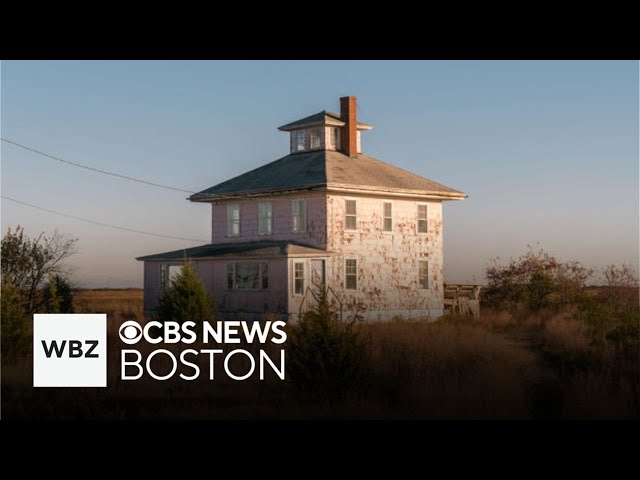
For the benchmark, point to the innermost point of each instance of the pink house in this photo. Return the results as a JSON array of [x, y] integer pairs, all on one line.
[[324, 215]]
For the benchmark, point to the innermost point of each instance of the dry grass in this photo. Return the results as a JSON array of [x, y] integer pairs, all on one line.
[[500, 366], [448, 370]]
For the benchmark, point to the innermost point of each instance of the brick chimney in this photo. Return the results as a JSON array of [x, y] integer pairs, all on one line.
[[349, 131]]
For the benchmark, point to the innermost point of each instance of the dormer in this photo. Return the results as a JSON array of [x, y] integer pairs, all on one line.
[[328, 131]]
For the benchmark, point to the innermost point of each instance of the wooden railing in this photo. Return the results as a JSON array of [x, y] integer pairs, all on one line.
[[314, 295], [463, 299]]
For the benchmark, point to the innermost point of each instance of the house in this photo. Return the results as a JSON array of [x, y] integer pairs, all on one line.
[[325, 214]]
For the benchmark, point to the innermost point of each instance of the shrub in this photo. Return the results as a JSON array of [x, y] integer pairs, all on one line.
[[14, 321], [62, 299], [186, 299], [325, 357], [535, 281]]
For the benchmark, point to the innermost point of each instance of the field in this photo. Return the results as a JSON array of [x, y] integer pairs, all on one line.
[[499, 366]]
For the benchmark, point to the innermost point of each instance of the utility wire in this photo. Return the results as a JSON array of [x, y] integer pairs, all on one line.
[[102, 224], [93, 169]]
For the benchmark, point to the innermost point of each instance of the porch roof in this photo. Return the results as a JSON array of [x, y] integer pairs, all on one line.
[[249, 249]]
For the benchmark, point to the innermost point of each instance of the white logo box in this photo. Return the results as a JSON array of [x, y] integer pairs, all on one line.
[[75, 359]]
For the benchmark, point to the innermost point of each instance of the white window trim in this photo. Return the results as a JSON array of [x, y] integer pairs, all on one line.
[[345, 274], [229, 234], [270, 219], [165, 273], [418, 219], [293, 277], [337, 139], [234, 287], [420, 287], [305, 140], [383, 217], [304, 208], [315, 133], [345, 215]]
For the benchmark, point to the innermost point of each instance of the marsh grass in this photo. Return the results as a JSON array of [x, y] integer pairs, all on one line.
[[499, 366]]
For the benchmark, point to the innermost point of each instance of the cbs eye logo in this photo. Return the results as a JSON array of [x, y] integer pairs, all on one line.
[[130, 332]]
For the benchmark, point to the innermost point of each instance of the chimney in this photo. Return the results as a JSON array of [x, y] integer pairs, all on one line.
[[349, 131]]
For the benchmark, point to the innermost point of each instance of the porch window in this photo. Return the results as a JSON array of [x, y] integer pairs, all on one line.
[[298, 277], [248, 276], [168, 273]]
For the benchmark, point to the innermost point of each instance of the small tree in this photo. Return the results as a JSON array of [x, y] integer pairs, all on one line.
[[27, 262], [14, 321], [325, 357], [51, 297], [64, 294], [186, 299]]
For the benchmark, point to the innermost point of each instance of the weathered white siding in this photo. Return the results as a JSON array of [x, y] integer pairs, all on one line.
[[387, 261]]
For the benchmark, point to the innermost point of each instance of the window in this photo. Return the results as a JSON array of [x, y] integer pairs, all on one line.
[[351, 274], [163, 276], [336, 138], [264, 275], [315, 139], [230, 271], [298, 145], [422, 218], [388, 219], [351, 220], [423, 274], [168, 274], [299, 208], [298, 277], [264, 218], [247, 276], [233, 220]]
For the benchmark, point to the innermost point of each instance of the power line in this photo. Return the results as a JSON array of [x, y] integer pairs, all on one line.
[[102, 224], [93, 169]]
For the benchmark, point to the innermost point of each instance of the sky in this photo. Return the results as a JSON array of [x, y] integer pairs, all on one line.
[[546, 150]]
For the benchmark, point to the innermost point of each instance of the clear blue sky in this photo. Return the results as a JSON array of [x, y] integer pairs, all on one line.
[[547, 151]]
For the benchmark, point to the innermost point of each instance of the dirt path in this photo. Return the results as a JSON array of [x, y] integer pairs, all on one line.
[[544, 392]]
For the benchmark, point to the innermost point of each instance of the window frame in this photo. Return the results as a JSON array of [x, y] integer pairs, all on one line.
[[166, 274], [295, 262], [315, 134], [422, 276], [335, 134], [269, 218], [384, 217], [298, 136], [347, 215], [230, 268], [418, 219], [231, 221], [303, 202], [347, 275]]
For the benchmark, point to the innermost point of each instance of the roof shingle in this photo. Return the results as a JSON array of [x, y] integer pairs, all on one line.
[[321, 118], [262, 248], [325, 168]]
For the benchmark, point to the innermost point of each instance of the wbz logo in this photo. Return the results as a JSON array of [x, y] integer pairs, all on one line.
[[70, 350]]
